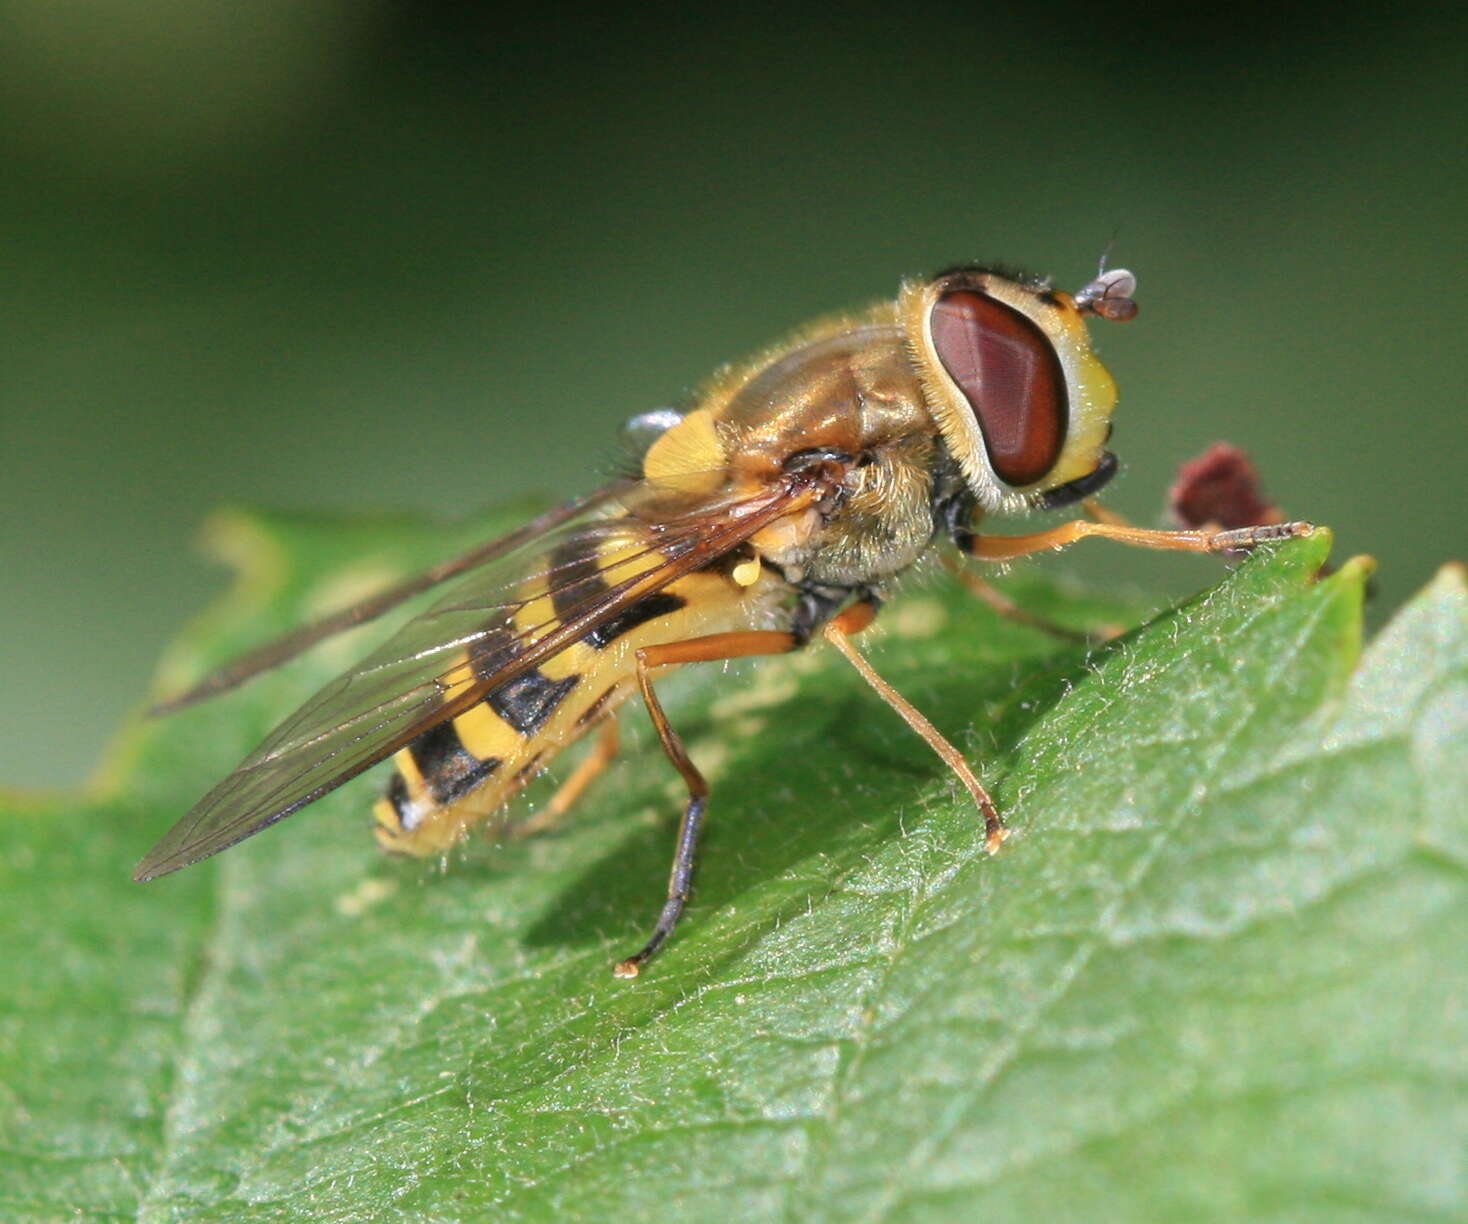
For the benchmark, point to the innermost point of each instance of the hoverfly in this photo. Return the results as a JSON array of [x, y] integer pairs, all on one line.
[[776, 508]]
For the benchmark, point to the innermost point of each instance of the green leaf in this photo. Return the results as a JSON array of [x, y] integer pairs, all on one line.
[[1216, 973]]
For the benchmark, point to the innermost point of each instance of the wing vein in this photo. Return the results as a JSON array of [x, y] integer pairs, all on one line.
[[419, 678]]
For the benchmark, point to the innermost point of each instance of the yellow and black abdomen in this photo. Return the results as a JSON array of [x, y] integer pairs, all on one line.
[[462, 772]]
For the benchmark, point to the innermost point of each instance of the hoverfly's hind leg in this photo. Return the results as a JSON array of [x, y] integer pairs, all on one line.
[[838, 632], [603, 753], [693, 650]]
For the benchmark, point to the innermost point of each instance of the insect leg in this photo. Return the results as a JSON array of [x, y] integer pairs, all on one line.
[[603, 753], [692, 650], [1101, 516], [838, 632], [1006, 548], [986, 592], [1104, 514]]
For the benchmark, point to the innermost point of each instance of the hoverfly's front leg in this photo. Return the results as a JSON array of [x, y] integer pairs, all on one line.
[[1107, 525], [987, 593], [838, 632], [708, 649], [1006, 548]]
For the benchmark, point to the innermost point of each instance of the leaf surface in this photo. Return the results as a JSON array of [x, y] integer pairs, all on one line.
[[1217, 972]]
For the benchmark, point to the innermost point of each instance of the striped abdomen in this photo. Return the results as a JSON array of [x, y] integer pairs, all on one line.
[[462, 772]]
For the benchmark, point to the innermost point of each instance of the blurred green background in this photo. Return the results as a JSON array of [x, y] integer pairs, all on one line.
[[359, 255]]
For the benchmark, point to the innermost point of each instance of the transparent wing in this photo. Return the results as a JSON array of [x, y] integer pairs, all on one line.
[[470, 643], [285, 648]]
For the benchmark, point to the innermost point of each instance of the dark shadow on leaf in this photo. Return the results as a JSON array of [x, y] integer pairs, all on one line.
[[833, 773], [781, 798]]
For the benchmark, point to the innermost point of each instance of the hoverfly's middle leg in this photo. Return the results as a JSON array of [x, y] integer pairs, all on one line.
[[838, 632], [1104, 514], [714, 647], [987, 593]]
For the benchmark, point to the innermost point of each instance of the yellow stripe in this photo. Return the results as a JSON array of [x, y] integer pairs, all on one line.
[[412, 775], [703, 589], [486, 735], [458, 677], [386, 816], [536, 618], [577, 659], [620, 560]]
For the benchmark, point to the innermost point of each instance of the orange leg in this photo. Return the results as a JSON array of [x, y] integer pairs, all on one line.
[[1006, 548], [838, 632], [1103, 514], [603, 753], [984, 591], [714, 647]]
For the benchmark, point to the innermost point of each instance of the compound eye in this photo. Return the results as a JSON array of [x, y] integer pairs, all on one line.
[[1011, 377]]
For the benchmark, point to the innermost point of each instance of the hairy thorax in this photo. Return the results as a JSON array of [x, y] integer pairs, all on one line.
[[855, 396]]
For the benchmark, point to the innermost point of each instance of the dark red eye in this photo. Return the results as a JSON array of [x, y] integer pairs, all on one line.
[[1008, 371]]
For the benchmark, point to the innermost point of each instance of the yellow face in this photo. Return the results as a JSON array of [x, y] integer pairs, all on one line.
[[1021, 399]]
